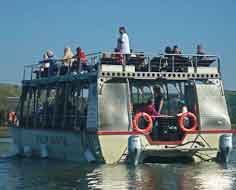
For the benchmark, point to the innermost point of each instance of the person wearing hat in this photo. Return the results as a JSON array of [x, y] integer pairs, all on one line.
[[50, 54], [51, 63], [48, 64], [123, 41]]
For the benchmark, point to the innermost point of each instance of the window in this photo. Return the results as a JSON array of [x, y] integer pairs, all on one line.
[[140, 94], [61, 106]]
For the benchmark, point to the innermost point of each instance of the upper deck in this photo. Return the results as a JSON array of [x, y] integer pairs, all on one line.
[[135, 65]]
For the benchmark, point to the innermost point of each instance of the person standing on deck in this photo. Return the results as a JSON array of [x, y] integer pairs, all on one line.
[[158, 98], [123, 41]]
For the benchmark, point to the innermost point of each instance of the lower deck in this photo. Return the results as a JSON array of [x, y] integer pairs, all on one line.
[[108, 148]]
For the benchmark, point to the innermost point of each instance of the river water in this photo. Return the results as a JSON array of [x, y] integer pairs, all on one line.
[[39, 174]]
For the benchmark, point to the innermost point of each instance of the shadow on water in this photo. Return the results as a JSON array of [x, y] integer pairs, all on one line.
[[38, 174]]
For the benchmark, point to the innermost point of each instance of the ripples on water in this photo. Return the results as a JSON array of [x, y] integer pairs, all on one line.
[[35, 174]]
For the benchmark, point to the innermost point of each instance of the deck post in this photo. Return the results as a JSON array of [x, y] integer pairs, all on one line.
[[65, 106]]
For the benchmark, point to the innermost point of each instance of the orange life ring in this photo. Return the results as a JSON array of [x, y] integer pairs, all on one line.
[[12, 117], [148, 118], [193, 119]]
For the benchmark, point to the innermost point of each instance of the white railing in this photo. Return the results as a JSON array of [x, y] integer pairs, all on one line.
[[142, 62]]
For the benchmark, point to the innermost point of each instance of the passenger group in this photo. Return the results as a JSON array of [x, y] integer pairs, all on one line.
[[78, 63], [69, 62]]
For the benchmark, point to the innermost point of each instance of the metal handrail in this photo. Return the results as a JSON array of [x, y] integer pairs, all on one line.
[[95, 59], [197, 55]]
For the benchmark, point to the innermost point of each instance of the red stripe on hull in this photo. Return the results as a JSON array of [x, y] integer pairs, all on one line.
[[190, 132], [118, 133], [214, 131], [164, 142]]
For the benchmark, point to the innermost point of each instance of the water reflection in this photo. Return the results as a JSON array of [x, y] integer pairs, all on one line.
[[184, 177], [216, 177], [45, 174]]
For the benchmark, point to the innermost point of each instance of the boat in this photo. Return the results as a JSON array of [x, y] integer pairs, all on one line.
[[96, 115]]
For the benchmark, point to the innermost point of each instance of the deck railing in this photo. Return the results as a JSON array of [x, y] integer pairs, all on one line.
[[142, 62]]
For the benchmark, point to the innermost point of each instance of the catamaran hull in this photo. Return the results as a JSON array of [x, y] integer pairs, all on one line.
[[84, 147], [63, 145]]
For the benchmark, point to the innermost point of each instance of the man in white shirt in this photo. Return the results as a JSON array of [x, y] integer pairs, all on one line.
[[123, 41]]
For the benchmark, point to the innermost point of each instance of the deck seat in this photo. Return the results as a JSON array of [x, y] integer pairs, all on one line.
[[165, 63], [138, 61], [205, 62], [111, 61]]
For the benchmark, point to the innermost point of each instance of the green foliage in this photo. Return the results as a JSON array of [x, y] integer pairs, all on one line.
[[6, 90]]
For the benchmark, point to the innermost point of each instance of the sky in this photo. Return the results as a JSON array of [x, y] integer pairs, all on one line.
[[29, 28]]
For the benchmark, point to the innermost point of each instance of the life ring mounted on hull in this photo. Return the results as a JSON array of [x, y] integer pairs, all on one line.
[[193, 122], [148, 128]]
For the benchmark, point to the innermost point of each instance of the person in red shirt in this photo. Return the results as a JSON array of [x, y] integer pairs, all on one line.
[[81, 60], [150, 109]]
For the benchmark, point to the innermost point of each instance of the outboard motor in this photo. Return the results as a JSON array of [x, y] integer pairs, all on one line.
[[225, 145], [134, 149]]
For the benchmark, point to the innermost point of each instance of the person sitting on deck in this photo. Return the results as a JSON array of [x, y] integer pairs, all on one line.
[[123, 41], [168, 50], [68, 56], [176, 50], [43, 67], [178, 58], [66, 60], [201, 58], [52, 63], [49, 63], [81, 61], [150, 109], [200, 50]]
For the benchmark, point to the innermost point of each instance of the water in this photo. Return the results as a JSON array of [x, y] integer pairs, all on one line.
[[38, 174]]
